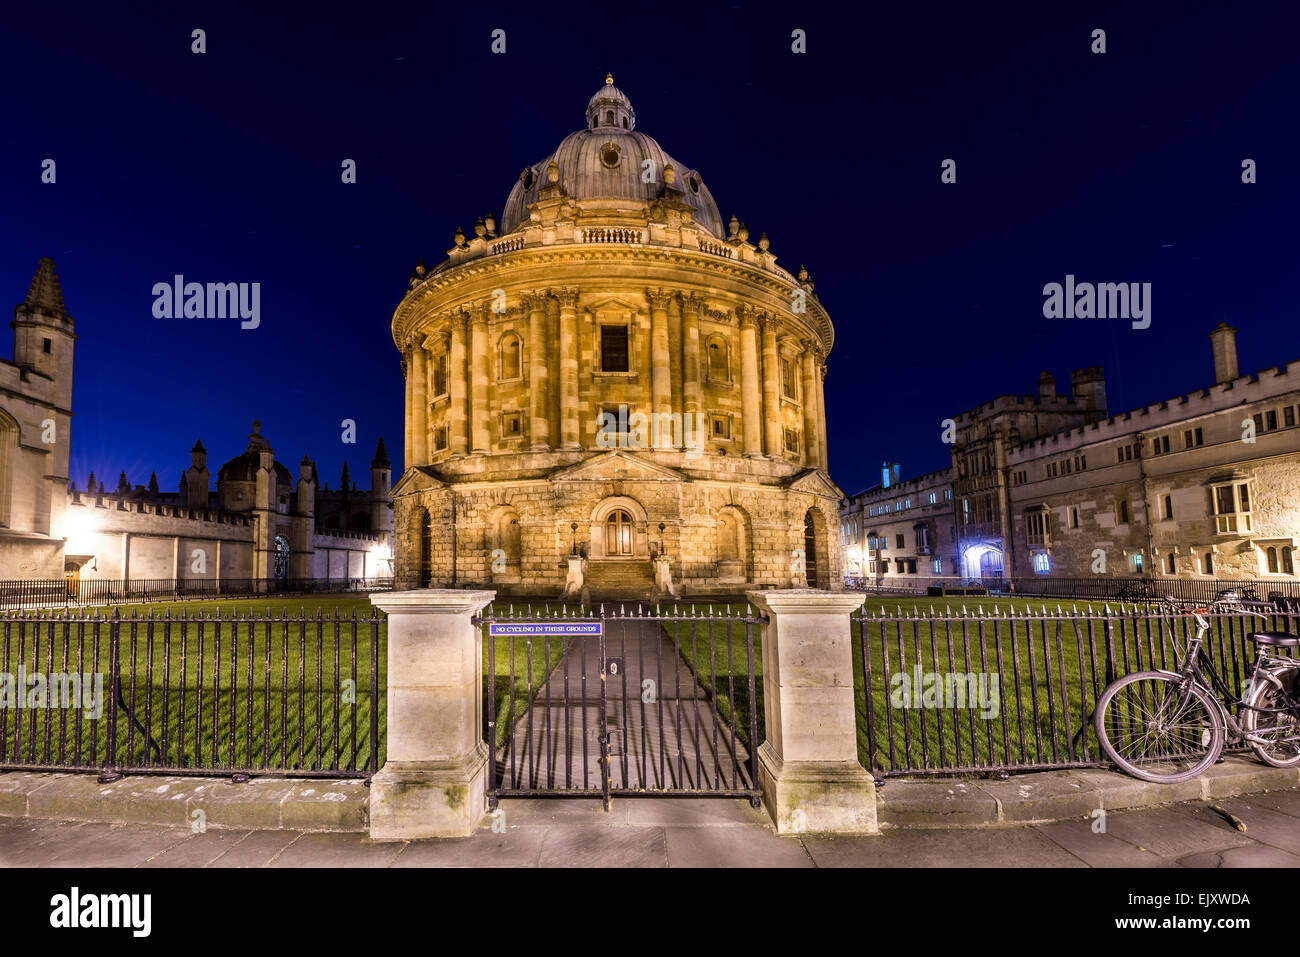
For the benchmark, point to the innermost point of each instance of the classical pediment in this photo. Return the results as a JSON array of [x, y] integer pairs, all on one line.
[[617, 465], [419, 478], [817, 482]]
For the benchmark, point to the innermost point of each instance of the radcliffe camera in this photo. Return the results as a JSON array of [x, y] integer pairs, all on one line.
[[756, 435]]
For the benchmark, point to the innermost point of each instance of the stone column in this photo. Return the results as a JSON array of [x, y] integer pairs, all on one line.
[[539, 424], [661, 375], [811, 449], [569, 428], [434, 781], [774, 447], [692, 395], [419, 406], [750, 411], [408, 374], [823, 437], [808, 766], [479, 382], [458, 387]]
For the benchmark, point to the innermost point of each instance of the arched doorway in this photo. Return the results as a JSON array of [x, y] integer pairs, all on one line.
[[619, 534], [280, 569], [424, 526], [810, 550]]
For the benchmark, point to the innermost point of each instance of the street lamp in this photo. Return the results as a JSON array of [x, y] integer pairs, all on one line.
[[661, 538], [574, 550]]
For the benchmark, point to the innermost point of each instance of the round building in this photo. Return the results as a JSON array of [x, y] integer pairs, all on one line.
[[613, 372]]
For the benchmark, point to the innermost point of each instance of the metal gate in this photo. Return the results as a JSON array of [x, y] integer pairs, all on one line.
[[633, 700]]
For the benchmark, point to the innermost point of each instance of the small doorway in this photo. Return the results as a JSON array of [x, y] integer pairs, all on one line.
[[810, 550], [281, 569]]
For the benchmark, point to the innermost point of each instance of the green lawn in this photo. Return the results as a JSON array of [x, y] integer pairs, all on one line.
[[293, 691], [516, 669]]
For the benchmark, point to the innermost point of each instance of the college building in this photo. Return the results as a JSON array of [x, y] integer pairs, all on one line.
[[1200, 485]]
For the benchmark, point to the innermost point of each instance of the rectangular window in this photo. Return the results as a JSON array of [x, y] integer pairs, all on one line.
[[932, 498], [787, 379], [1168, 503], [1042, 563], [613, 349], [1258, 419], [46, 346], [1207, 564], [792, 444], [721, 426], [1170, 567], [1074, 518], [511, 425], [947, 495], [898, 540], [440, 374], [1121, 512], [440, 439], [1288, 416], [1270, 419], [1137, 562], [937, 566]]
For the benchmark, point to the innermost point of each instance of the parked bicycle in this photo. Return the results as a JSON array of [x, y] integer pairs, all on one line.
[[1168, 726]]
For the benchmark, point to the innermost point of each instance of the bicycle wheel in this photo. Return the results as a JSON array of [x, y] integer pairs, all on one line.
[[1159, 727], [1275, 733]]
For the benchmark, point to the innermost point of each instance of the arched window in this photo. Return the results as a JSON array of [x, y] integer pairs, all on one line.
[[1207, 564], [609, 117], [1170, 567], [1271, 554], [618, 533], [1288, 567], [510, 360], [281, 570], [625, 122]]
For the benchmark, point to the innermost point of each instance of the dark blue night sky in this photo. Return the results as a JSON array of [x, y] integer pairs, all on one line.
[[1124, 167]]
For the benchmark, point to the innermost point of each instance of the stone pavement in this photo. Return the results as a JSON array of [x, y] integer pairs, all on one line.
[[649, 832]]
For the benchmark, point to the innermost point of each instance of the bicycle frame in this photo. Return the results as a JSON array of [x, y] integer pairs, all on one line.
[[1199, 667]]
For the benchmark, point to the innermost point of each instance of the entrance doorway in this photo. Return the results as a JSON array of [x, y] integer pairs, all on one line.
[[618, 534]]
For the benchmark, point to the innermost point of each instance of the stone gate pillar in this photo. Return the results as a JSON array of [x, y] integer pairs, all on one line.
[[433, 782], [808, 767]]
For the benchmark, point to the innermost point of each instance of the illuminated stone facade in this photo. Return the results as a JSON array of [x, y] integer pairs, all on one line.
[[613, 371]]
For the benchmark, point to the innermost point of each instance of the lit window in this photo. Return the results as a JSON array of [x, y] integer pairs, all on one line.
[[1231, 503], [1042, 563]]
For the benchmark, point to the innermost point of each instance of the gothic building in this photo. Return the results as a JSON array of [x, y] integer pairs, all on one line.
[[612, 370], [260, 521], [35, 415]]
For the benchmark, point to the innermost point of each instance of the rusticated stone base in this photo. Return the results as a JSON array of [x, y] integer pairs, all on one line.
[[817, 796], [418, 800]]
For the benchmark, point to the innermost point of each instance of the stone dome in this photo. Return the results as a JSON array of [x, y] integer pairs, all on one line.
[[605, 162], [244, 467]]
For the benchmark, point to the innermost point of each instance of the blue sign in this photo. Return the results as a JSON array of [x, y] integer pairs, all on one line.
[[545, 629]]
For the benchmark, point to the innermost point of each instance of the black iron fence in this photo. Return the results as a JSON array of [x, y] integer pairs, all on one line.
[[209, 694], [74, 591], [626, 699], [1095, 588], [980, 690]]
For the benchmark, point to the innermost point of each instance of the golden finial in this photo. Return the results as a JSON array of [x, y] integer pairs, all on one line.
[[609, 79]]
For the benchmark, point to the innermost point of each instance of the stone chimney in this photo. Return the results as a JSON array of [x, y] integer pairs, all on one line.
[[1046, 385], [1223, 343]]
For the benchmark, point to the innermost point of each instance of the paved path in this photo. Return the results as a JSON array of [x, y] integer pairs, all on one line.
[[663, 735], [690, 832]]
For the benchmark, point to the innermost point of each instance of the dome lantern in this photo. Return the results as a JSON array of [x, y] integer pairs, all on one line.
[[610, 108]]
